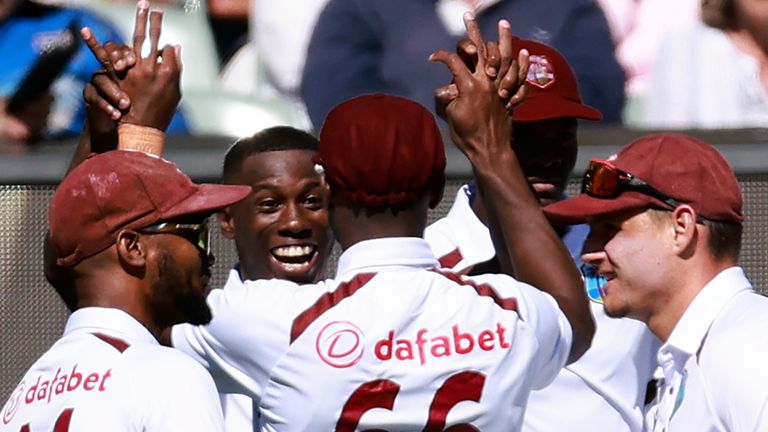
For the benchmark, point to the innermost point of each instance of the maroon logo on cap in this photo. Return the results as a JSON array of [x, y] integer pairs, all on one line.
[[541, 73], [340, 344], [13, 404]]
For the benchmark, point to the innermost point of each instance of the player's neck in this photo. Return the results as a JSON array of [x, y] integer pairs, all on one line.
[[116, 290], [352, 225]]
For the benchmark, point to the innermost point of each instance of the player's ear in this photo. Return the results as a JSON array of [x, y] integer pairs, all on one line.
[[226, 223], [131, 248], [684, 227]]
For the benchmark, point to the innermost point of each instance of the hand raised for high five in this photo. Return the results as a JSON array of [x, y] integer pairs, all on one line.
[[526, 245], [133, 89], [486, 80], [499, 62]]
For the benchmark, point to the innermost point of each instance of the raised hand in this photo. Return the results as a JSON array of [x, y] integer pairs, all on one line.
[[525, 243], [500, 66], [149, 86], [104, 98], [477, 116]]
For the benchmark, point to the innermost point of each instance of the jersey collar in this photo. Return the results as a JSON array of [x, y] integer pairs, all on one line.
[[377, 254], [113, 322], [690, 331]]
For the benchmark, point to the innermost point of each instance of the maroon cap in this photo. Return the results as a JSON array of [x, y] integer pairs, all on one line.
[[123, 189], [552, 88], [682, 167], [381, 150]]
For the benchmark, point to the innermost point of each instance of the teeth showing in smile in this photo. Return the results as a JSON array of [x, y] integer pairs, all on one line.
[[293, 256], [292, 251]]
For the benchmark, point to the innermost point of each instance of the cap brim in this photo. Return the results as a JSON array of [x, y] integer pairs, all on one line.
[[209, 198], [582, 207], [537, 109]]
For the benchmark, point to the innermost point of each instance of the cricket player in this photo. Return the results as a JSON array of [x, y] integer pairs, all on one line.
[[665, 216], [605, 389], [129, 237], [280, 230]]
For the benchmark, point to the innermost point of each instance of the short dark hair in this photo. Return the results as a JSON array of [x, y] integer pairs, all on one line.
[[277, 138], [720, 14], [725, 239]]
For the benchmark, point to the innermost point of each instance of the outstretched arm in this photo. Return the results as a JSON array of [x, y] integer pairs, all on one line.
[[132, 97], [482, 129]]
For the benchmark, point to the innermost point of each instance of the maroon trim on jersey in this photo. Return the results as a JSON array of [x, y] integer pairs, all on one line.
[[486, 290], [450, 259], [118, 344], [326, 302], [62, 423]]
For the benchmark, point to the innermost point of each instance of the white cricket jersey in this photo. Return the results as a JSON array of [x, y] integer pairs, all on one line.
[[108, 373], [391, 343], [604, 390], [714, 364]]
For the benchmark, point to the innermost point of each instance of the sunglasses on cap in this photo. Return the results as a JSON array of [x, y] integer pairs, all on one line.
[[593, 283], [603, 180], [198, 234]]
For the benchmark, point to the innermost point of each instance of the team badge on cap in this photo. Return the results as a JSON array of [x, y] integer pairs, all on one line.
[[541, 73]]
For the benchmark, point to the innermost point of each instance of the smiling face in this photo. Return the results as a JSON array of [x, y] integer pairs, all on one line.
[[547, 153], [632, 250], [281, 229]]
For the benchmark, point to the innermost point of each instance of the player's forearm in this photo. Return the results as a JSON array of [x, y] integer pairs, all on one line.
[[535, 251]]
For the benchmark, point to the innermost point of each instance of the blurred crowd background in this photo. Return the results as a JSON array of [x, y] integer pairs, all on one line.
[[251, 64]]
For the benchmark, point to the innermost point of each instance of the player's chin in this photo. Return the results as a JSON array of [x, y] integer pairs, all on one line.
[[612, 303]]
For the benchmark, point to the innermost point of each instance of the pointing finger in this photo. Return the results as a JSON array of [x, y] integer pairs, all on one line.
[[98, 51]]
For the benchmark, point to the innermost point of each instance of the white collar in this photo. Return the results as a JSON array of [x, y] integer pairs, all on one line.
[[369, 255], [113, 321], [472, 236], [689, 332]]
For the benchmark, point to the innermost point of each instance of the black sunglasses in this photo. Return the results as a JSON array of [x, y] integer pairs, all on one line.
[[198, 234]]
